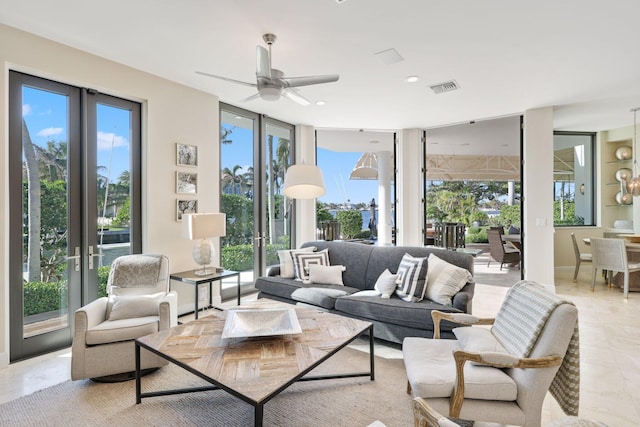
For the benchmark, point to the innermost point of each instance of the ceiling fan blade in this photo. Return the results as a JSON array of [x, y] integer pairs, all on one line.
[[309, 80], [227, 79], [263, 67], [295, 96], [251, 98]]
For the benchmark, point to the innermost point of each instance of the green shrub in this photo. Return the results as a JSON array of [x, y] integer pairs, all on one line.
[[364, 234], [350, 223], [103, 276], [477, 235], [240, 257], [42, 297]]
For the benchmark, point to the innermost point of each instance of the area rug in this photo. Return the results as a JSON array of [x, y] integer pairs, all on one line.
[[349, 402]]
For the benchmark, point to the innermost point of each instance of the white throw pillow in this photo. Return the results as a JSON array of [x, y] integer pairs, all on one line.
[[301, 261], [444, 280], [325, 274], [386, 284], [411, 278], [129, 307], [286, 261]]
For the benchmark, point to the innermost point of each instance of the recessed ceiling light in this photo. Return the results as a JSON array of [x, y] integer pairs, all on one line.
[[321, 102], [412, 79]]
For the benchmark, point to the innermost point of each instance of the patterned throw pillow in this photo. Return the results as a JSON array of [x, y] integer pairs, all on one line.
[[445, 280], [286, 261], [411, 278], [301, 262]]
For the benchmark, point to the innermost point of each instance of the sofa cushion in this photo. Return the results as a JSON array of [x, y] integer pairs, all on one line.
[[369, 305], [431, 372], [444, 280], [411, 277], [325, 274], [321, 297], [284, 288], [386, 284], [302, 260], [354, 256], [286, 260]]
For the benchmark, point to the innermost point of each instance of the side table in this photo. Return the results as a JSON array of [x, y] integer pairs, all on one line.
[[190, 278]]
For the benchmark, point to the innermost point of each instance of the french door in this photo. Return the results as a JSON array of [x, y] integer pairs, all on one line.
[[74, 177], [254, 155]]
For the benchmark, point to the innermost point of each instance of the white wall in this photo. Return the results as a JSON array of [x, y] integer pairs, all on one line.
[[171, 113]]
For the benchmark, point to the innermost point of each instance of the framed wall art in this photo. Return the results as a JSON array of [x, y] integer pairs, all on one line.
[[185, 207], [186, 182], [186, 155]]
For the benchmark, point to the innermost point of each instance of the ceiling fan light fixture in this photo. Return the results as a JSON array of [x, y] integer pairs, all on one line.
[[270, 93]]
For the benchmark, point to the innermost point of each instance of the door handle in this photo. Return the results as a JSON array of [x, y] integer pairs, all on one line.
[[75, 258], [91, 256]]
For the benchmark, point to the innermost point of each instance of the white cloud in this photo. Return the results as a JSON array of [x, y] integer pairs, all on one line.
[[26, 110], [106, 139], [47, 132]]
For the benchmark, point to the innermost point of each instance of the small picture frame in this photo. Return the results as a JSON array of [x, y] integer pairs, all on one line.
[[186, 182], [185, 207], [186, 155]]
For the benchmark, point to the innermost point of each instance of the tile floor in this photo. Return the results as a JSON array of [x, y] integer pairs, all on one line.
[[610, 345]]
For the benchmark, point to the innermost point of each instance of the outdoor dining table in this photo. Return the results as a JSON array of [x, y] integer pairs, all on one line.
[[514, 239]]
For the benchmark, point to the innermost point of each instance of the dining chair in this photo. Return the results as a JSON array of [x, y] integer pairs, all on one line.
[[611, 255], [580, 257]]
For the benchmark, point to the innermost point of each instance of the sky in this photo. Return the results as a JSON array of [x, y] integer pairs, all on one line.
[[335, 166], [46, 116]]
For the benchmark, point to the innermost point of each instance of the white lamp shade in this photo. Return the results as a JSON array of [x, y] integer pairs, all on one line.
[[204, 225], [366, 167], [304, 182]]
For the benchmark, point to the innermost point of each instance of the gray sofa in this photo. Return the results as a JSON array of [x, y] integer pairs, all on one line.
[[393, 318]]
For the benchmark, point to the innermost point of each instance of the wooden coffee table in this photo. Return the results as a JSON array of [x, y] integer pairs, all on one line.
[[253, 369]]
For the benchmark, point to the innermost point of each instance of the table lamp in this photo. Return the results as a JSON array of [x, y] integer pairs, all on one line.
[[201, 227]]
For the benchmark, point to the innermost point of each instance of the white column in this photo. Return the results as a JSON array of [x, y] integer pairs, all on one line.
[[409, 205], [538, 197], [384, 197], [510, 192], [305, 209]]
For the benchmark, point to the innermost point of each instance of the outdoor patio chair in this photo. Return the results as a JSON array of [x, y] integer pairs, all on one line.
[[499, 252]]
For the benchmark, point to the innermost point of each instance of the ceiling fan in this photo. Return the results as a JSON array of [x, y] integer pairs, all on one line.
[[272, 83]]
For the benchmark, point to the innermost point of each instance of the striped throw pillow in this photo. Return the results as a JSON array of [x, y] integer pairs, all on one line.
[[301, 262], [411, 278], [445, 280]]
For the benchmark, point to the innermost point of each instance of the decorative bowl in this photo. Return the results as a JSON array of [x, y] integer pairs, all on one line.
[[624, 153], [242, 323], [633, 238]]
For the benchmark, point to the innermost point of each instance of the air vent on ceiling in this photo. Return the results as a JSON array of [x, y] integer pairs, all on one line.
[[389, 56], [445, 87]]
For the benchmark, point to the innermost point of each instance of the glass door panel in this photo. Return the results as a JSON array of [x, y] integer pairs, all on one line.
[[45, 211], [238, 132], [113, 189], [278, 221]]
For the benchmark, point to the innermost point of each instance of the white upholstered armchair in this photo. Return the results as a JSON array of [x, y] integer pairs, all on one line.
[[138, 303], [501, 374]]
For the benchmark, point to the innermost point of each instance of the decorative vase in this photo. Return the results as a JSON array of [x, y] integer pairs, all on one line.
[[624, 199], [624, 153], [623, 174]]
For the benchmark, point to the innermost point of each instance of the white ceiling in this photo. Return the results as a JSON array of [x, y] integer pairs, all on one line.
[[507, 56]]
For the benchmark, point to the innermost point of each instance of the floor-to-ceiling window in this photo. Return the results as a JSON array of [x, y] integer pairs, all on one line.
[[255, 154], [74, 203]]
